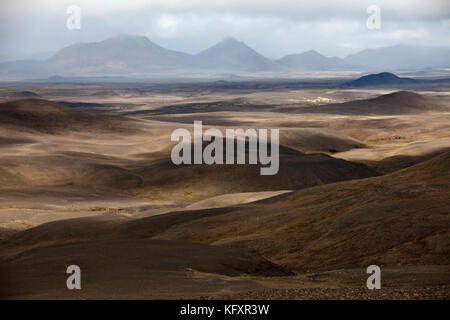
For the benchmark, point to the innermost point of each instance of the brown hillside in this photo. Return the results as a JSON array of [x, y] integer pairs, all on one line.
[[401, 102]]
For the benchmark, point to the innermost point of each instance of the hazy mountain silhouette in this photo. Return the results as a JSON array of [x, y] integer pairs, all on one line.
[[399, 57], [137, 54], [129, 55], [311, 60], [231, 54], [117, 55]]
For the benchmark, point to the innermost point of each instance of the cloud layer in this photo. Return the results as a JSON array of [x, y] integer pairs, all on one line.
[[274, 28]]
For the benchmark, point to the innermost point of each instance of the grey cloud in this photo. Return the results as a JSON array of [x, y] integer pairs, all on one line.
[[274, 28]]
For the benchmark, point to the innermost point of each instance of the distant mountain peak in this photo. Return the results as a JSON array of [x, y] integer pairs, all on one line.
[[312, 52], [380, 79], [232, 54], [230, 39], [122, 54], [127, 38], [229, 42], [311, 60], [381, 76]]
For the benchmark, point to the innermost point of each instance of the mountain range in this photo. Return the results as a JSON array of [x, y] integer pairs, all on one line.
[[128, 55]]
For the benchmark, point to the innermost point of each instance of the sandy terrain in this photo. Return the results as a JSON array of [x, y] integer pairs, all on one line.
[[86, 178]]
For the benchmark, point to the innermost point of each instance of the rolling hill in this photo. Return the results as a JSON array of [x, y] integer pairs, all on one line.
[[69, 166], [49, 117], [146, 268], [398, 219], [383, 79], [400, 102], [296, 170]]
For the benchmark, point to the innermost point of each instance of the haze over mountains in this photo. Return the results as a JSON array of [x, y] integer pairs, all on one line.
[[137, 56]]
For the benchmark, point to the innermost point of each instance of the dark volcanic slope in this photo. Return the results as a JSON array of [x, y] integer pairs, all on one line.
[[21, 94], [144, 268], [398, 219], [400, 102], [18, 172], [296, 170], [50, 117], [401, 218], [236, 105], [384, 79]]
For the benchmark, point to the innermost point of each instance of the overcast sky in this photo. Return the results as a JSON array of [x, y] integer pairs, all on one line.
[[272, 27]]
